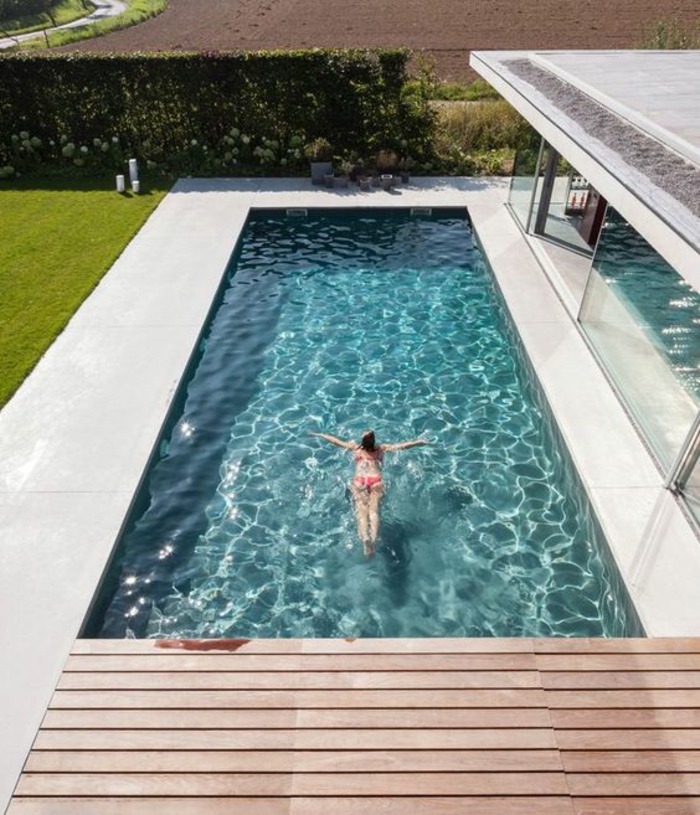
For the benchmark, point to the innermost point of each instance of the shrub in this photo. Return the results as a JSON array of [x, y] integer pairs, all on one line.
[[14, 9], [479, 138], [319, 150], [209, 112], [488, 125]]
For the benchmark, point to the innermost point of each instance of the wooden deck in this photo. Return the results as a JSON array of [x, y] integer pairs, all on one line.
[[388, 727]]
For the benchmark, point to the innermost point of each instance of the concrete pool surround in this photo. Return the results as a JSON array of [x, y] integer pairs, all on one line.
[[77, 436]]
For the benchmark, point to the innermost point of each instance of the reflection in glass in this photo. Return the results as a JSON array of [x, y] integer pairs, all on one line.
[[529, 164], [643, 319], [571, 195]]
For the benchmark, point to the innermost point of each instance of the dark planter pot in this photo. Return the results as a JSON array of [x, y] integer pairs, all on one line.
[[405, 177], [365, 183], [329, 180], [319, 170]]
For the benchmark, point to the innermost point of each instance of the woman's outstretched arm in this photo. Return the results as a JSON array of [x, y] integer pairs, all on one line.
[[404, 445], [348, 445]]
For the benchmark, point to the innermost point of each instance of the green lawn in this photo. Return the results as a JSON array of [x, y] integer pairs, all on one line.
[[65, 11], [137, 11], [57, 239]]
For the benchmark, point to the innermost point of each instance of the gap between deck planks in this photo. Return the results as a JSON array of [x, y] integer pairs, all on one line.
[[301, 727]]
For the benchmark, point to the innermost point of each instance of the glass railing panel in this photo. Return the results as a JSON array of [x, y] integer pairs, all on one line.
[[690, 489], [643, 319], [527, 170], [571, 195]]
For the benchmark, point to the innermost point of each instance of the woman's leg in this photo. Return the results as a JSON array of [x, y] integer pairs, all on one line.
[[361, 499], [375, 499]]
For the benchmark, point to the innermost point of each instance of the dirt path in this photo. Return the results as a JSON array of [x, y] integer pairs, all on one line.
[[447, 29]]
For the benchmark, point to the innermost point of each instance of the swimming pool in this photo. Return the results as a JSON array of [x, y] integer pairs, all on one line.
[[244, 525]]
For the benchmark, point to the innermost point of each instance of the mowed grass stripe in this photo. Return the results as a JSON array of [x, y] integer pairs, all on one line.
[[57, 239]]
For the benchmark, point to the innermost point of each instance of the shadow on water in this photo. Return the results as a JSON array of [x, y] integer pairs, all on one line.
[[161, 529], [394, 549]]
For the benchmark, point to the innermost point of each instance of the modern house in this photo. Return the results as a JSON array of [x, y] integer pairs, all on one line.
[[590, 259], [608, 199]]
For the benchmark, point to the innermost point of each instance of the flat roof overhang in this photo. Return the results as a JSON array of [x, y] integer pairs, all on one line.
[[667, 224]]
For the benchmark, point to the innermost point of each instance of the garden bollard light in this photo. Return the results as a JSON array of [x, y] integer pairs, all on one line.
[[120, 183], [136, 186], [133, 171]]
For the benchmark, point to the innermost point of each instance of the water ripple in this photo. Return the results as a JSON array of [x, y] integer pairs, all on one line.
[[246, 525]]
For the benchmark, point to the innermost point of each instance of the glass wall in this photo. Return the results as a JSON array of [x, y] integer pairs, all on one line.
[[526, 181], [688, 477], [564, 219], [643, 320]]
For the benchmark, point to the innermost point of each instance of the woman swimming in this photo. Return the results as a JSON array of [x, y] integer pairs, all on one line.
[[368, 486]]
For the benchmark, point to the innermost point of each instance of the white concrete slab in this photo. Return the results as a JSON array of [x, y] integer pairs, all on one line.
[[669, 226], [657, 91], [53, 548], [75, 439]]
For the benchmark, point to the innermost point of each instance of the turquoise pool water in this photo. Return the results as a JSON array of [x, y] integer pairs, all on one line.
[[662, 302], [244, 526]]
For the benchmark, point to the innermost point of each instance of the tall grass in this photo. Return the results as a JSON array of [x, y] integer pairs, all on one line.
[[670, 34], [479, 137], [485, 125]]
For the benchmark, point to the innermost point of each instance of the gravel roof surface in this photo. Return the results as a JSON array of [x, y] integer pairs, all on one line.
[[666, 169]]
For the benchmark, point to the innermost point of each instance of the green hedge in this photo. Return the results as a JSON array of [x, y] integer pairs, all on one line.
[[207, 112]]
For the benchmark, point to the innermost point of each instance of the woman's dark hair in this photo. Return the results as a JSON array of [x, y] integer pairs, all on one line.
[[368, 441]]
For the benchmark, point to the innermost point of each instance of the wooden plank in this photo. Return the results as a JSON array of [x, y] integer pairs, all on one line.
[[555, 805], [619, 680], [149, 806], [299, 699], [301, 784], [637, 699], [172, 661], [303, 719], [618, 662], [320, 680], [632, 645], [642, 761], [637, 806], [349, 645], [404, 739], [256, 761], [637, 784], [673, 718], [628, 739], [491, 805]]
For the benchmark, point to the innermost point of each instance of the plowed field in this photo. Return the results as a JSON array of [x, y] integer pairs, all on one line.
[[446, 29]]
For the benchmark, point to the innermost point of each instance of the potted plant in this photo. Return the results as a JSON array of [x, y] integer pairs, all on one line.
[[405, 166], [387, 162], [320, 155], [346, 169]]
